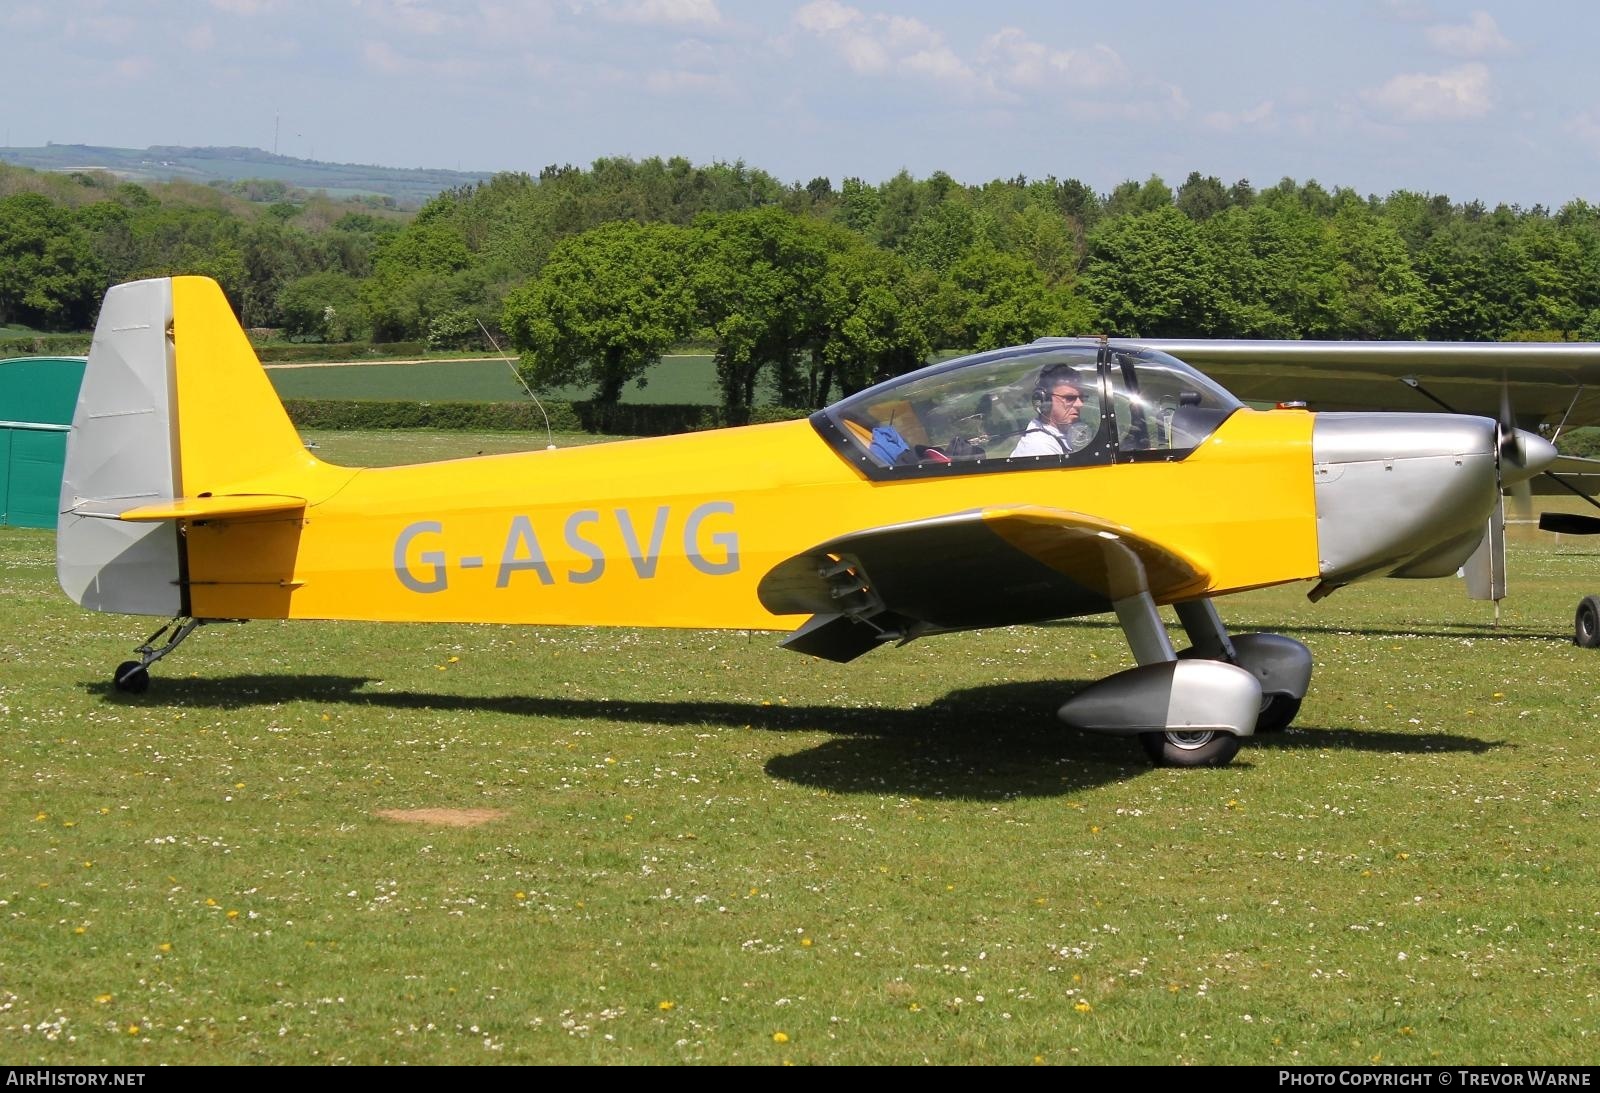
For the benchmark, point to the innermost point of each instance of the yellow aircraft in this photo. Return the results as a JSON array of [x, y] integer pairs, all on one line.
[[1063, 478]]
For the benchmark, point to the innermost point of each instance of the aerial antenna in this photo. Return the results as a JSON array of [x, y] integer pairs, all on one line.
[[548, 435]]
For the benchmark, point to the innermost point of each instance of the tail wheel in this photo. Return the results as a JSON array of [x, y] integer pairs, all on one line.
[[131, 678], [1205, 748], [1586, 627]]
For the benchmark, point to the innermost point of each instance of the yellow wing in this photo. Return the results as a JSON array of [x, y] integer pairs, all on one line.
[[984, 567]]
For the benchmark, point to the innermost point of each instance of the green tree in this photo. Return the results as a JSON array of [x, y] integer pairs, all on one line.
[[1381, 295], [49, 275], [873, 322], [992, 299], [324, 305], [1152, 276], [604, 308], [1201, 198], [757, 277]]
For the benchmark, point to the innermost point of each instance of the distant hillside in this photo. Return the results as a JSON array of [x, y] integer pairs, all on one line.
[[408, 186]]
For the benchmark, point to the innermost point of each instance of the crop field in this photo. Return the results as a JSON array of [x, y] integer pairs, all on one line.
[[679, 378], [337, 842]]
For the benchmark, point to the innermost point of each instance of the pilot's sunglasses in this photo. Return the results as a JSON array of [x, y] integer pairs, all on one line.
[[1068, 398]]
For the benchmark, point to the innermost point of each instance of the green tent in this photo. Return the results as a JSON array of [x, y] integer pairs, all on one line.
[[37, 396]]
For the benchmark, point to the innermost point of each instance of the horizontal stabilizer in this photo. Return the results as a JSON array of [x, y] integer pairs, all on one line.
[[216, 507], [1569, 523]]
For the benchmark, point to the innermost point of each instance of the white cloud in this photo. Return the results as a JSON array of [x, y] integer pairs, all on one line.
[[242, 7], [665, 12], [133, 68], [1457, 94], [1479, 36], [1019, 61], [1585, 128], [1259, 116], [1092, 82], [678, 81], [427, 17], [887, 44], [826, 17], [200, 38]]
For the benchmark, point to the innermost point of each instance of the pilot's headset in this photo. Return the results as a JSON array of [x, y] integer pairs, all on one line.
[[1051, 377]]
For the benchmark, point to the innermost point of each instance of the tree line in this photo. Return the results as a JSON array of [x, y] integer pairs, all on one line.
[[812, 289]]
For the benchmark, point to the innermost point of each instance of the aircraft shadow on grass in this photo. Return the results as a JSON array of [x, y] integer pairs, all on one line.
[[994, 742], [1485, 630]]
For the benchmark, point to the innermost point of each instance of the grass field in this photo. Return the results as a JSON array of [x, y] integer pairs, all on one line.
[[680, 378], [699, 848]]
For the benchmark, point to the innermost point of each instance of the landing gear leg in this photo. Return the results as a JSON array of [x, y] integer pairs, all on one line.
[[133, 676], [1282, 664]]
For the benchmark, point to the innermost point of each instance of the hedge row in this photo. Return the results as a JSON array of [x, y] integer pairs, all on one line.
[[296, 352], [45, 345], [565, 417]]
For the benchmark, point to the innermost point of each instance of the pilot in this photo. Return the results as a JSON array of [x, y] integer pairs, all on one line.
[[1057, 402]]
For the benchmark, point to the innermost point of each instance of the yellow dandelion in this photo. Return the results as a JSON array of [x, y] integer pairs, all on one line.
[[780, 1037], [105, 812], [41, 816], [754, 891], [915, 1007], [102, 999], [210, 902], [165, 946], [238, 785], [233, 914], [1082, 1007], [521, 895], [805, 943], [1498, 694], [610, 760], [453, 660], [1094, 829], [1407, 1030], [627, 818], [1233, 803], [69, 823], [133, 1030], [80, 930], [88, 865], [325, 717], [1402, 855], [1038, 1060], [666, 1004]]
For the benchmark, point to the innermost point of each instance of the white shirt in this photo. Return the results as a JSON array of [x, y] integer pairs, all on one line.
[[1041, 438]]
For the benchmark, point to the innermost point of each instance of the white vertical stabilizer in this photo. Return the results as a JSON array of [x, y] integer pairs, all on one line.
[[122, 454]]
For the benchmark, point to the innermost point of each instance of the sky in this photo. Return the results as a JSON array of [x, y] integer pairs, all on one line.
[[1498, 102]]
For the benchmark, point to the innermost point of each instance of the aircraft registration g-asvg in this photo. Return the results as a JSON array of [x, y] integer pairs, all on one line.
[[1064, 478]]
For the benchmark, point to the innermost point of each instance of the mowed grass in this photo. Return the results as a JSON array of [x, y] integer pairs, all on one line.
[[679, 378], [710, 850]]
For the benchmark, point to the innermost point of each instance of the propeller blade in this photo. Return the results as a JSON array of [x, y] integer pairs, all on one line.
[[1510, 444], [1522, 501]]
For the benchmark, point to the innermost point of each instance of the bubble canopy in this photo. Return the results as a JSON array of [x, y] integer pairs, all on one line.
[[1056, 402]]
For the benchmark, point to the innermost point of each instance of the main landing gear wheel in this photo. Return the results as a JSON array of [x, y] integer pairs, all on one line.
[[1586, 627], [1204, 748], [1278, 712], [131, 678]]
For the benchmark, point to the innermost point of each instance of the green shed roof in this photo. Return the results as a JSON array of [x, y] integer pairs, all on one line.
[[40, 390]]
